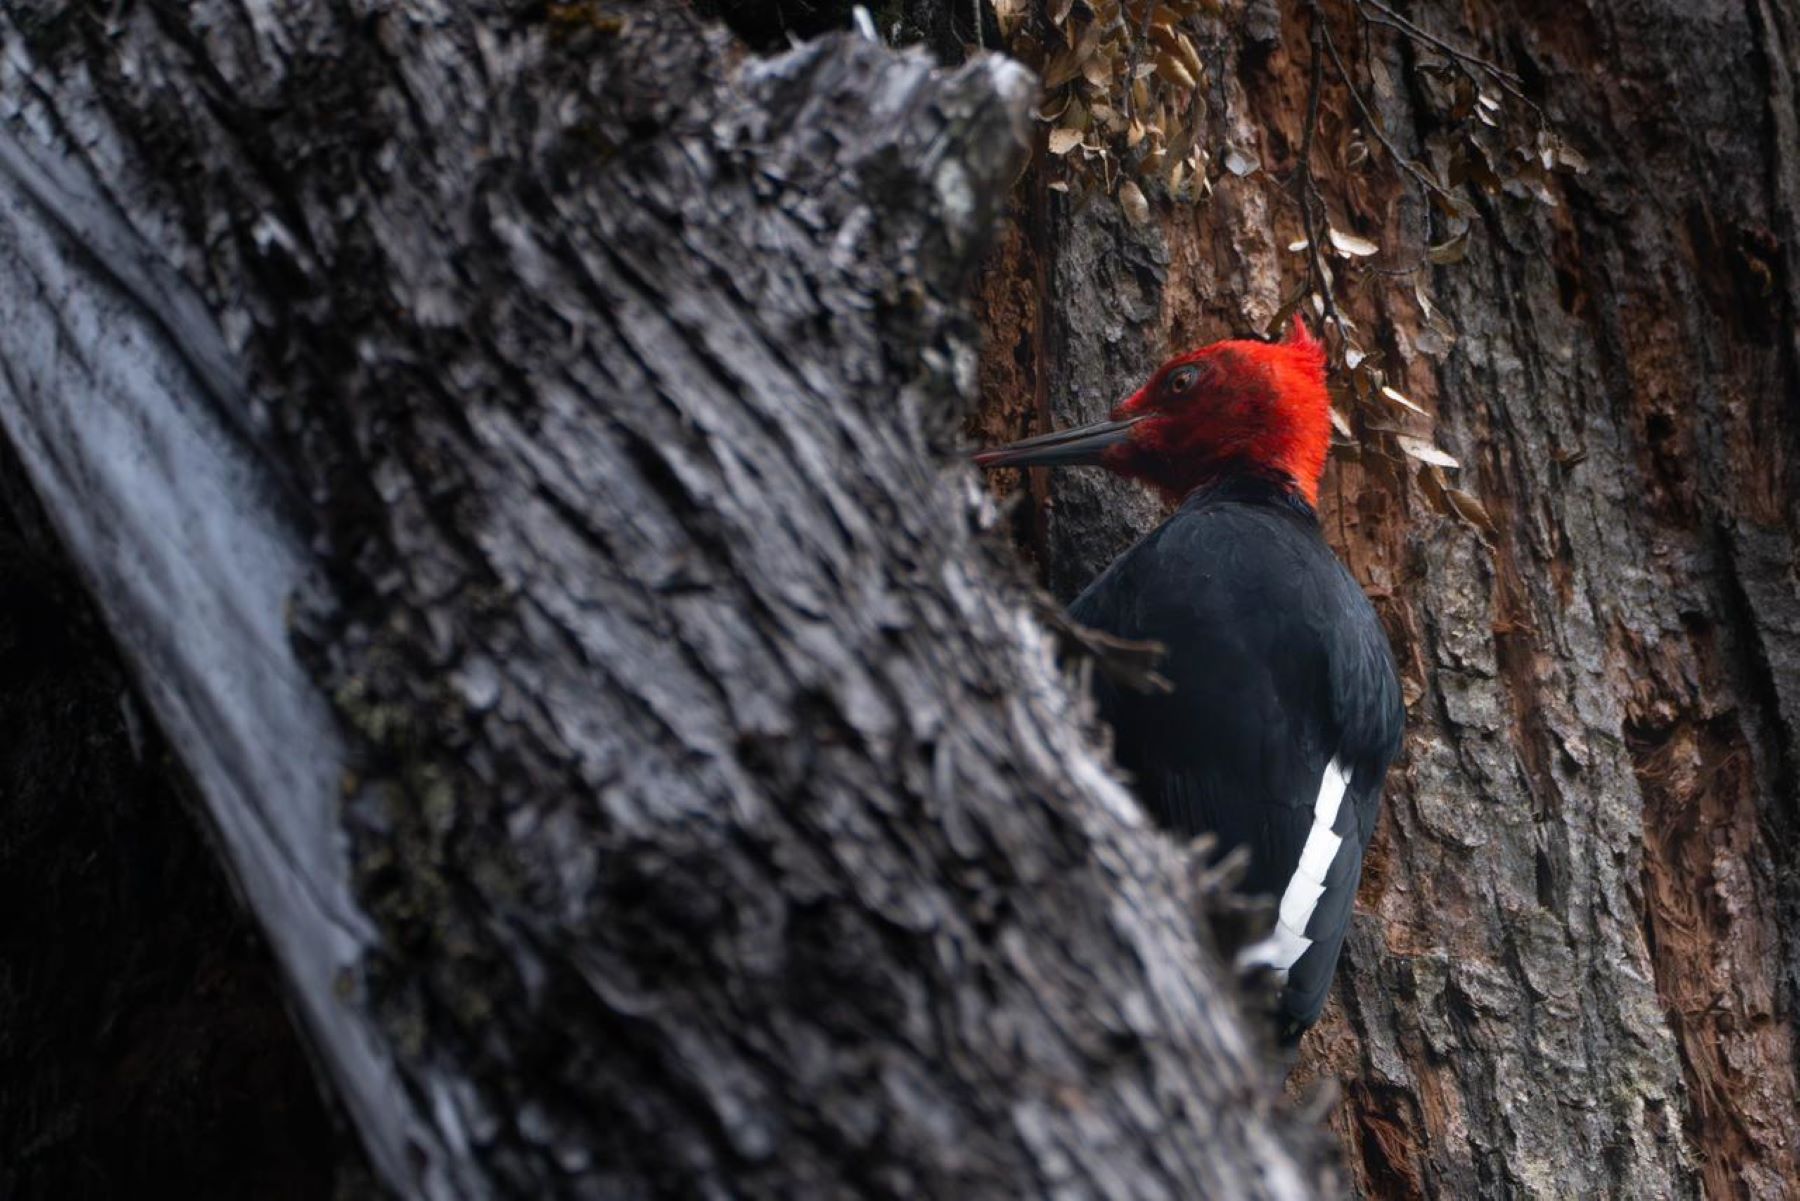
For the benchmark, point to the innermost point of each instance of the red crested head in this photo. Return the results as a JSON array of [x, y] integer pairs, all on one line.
[[1225, 409]]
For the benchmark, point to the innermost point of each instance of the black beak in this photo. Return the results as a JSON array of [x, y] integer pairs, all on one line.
[[1083, 444]]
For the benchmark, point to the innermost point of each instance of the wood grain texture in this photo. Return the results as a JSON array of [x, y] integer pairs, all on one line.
[[145, 1031], [539, 430], [112, 373]]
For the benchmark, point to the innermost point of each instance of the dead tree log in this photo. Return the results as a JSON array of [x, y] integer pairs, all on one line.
[[514, 453]]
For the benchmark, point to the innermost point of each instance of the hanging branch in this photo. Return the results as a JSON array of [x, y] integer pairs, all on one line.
[[1431, 186], [1509, 81]]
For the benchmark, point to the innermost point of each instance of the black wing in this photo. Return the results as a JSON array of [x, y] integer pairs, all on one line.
[[1282, 676]]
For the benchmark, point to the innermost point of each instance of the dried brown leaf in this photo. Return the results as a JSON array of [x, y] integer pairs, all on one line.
[[1395, 395], [1171, 70], [1010, 14], [1174, 43], [1131, 199], [1062, 67], [1469, 507], [1350, 245], [1069, 63], [1239, 162], [1570, 158], [1053, 113], [1098, 72], [1451, 250], [1278, 323], [1424, 452]]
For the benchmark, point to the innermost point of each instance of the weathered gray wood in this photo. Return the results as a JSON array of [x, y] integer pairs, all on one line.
[[146, 1035], [715, 820], [106, 371]]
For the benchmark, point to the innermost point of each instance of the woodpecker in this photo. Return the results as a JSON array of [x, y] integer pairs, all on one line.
[[1285, 709]]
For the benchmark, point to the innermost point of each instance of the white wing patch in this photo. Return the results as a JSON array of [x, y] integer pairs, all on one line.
[[1288, 941]]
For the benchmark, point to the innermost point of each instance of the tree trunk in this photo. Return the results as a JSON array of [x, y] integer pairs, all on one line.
[[516, 457], [1574, 969], [713, 818]]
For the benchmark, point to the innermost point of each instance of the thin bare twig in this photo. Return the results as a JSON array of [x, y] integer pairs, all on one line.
[[1368, 48], [1307, 186], [1509, 81], [1425, 181], [1125, 661], [1405, 25], [1131, 55]]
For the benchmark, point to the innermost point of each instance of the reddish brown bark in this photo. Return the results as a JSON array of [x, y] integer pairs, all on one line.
[[1573, 973]]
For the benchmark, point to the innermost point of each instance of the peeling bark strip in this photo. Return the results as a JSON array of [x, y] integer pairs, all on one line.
[[1576, 972], [143, 1031], [104, 361], [717, 824]]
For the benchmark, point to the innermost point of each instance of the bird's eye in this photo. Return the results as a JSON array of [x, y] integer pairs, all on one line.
[[1180, 381]]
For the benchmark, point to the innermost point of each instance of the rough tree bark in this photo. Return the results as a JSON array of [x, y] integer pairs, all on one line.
[[1574, 972], [514, 454]]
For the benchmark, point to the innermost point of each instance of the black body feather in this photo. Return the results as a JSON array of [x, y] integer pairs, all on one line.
[[1279, 664]]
